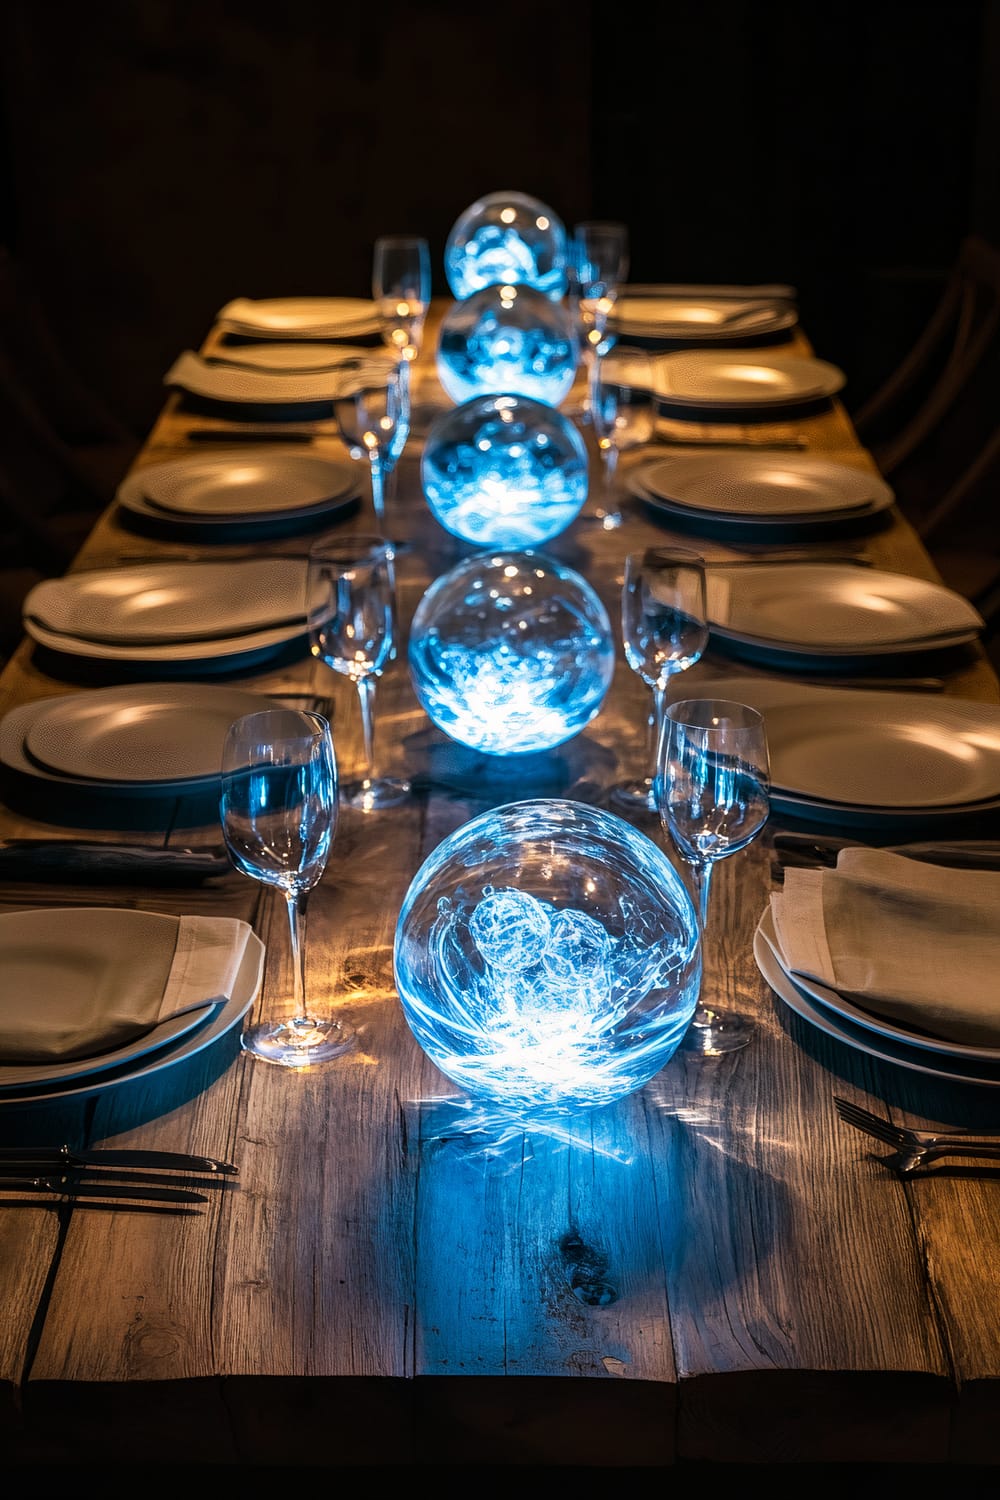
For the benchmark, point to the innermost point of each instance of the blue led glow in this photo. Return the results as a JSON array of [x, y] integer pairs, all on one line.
[[511, 652], [547, 957], [506, 236], [508, 339], [504, 471]]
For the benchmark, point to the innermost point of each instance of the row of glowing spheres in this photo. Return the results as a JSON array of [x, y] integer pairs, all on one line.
[[505, 467], [547, 955]]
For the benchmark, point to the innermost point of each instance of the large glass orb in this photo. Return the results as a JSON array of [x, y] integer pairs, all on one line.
[[509, 237], [507, 338], [547, 957], [504, 471], [511, 652]]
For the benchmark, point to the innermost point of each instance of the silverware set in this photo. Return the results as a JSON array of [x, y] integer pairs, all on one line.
[[913, 1149], [60, 1173]]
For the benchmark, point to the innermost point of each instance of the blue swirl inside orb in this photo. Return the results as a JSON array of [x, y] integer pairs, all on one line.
[[511, 653], [504, 471], [547, 957], [507, 236], [508, 338]]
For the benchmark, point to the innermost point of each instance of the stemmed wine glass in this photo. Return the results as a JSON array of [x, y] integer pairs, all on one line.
[[599, 268], [368, 415], [278, 806], [622, 415], [664, 631], [401, 287], [713, 795], [352, 628]]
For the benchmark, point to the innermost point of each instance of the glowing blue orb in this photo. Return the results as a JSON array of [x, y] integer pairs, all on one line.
[[547, 957], [508, 237], [511, 652], [508, 338], [504, 471]]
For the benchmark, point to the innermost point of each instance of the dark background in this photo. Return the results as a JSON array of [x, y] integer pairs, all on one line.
[[160, 157]]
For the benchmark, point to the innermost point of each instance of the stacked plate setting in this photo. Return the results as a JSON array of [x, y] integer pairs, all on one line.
[[703, 380], [330, 318], [664, 315]]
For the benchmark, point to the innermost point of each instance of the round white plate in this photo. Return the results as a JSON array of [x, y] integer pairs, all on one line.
[[872, 750], [738, 380], [106, 943], [222, 524], [247, 483], [211, 382], [223, 1019], [823, 607], [302, 317], [147, 734], [717, 318], [203, 657], [763, 485], [904, 1055], [160, 604], [278, 359]]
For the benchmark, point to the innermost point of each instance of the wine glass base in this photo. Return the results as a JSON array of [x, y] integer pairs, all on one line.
[[607, 520], [639, 795], [713, 1032], [298, 1043], [372, 795]]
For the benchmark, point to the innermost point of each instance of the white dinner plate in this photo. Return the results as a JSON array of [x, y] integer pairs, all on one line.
[[903, 1054], [222, 1019], [285, 359], [300, 317], [146, 734], [211, 382], [246, 483], [733, 381], [160, 604], [819, 608], [113, 948], [764, 486], [202, 658], [702, 318], [872, 751]]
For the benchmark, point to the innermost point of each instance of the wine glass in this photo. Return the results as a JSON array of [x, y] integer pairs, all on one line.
[[599, 254], [622, 415], [664, 631], [352, 628], [713, 795], [401, 287], [278, 806], [368, 415]]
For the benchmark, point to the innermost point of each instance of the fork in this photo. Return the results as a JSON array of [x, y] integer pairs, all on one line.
[[915, 1148]]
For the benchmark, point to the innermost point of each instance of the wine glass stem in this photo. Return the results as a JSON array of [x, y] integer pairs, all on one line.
[[296, 902], [610, 470], [703, 881], [366, 697], [655, 726], [378, 487]]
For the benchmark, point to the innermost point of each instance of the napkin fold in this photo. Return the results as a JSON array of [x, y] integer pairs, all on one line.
[[914, 942], [81, 982]]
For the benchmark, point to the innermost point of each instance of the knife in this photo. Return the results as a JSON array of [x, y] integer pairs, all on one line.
[[17, 1158], [67, 1187], [810, 849], [62, 859]]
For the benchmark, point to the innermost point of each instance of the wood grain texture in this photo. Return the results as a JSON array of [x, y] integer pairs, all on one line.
[[714, 1270]]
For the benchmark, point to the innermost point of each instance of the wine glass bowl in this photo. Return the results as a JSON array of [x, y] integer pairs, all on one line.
[[713, 796], [599, 264], [369, 416], [351, 603], [664, 632], [401, 289], [278, 807], [622, 415]]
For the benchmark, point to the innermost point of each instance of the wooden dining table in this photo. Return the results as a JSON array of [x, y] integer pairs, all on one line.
[[716, 1270]]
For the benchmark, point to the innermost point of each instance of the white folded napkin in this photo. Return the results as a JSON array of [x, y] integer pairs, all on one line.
[[82, 981], [914, 942]]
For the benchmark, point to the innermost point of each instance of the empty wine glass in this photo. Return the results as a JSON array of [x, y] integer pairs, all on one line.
[[368, 414], [713, 795], [622, 414], [352, 628], [664, 631], [278, 807], [401, 287], [599, 262]]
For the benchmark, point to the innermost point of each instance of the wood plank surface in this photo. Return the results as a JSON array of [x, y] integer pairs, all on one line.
[[714, 1270]]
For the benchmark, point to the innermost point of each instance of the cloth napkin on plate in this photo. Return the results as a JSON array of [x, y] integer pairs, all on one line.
[[916, 943], [83, 981]]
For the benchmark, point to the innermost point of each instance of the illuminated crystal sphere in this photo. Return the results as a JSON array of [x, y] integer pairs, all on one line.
[[509, 237], [504, 471], [547, 957], [511, 652], [507, 338]]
